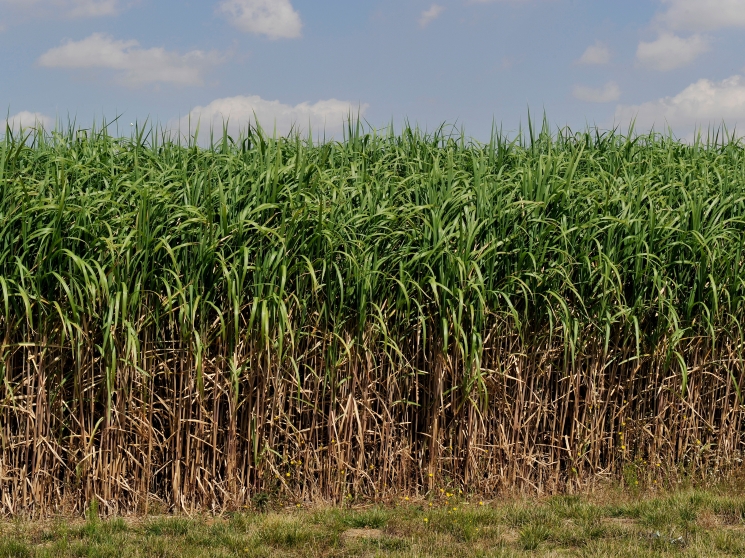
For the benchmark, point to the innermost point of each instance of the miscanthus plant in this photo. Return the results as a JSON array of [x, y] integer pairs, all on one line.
[[390, 312]]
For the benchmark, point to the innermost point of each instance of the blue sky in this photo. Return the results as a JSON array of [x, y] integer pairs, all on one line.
[[464, 62]]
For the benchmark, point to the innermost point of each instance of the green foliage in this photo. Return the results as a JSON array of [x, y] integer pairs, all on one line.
[[260, 500], [375, 518], [586, 525], [14, 549], [533, 535], [732, 511], [285, 533], [174, 527]]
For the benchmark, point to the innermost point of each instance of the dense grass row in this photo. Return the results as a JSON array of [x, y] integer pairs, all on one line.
[[690, 523], [384, 313]]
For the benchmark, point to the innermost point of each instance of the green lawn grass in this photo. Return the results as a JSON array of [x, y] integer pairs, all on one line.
[[612, 523]]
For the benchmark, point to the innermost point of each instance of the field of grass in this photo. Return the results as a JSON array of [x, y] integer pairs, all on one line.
[[365, 318], [614, 524]]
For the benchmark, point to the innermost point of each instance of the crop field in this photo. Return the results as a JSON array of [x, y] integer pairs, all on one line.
[[200, 328]]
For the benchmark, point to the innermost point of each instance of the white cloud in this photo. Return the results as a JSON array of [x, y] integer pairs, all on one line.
[[431, 14], [135, 65], [609, 92], [26, 119], [93, 8], [276, 19], [597, 54], [329, 115], [703, 15], [700, 104], [71, 8], [670, 51]]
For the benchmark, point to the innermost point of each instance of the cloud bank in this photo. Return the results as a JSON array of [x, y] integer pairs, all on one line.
[[134, 65], [703, 15], [71, 8], [26, 119], [329, 115], [669, 51], [431, 14], [701, 104], [595, 55], [275, 19], [606, 94]]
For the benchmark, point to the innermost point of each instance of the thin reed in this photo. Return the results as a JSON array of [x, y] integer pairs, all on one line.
[[388, 313]]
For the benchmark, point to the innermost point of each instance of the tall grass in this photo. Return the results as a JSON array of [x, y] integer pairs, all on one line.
[[391, 312]]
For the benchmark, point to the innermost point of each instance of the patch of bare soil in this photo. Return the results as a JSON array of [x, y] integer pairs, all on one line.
[[621, 522], [355, 534]]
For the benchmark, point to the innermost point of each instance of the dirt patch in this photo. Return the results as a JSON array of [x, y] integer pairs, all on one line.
[[355, 534], [709, 520], [621, 522]]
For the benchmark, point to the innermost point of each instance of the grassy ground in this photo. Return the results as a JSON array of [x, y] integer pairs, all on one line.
[[684, 523]]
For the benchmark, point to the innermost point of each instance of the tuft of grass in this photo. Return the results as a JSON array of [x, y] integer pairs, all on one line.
[[731, 511], [285, 532], [581, 525], [532, 536], [171, 527], [375, 518], [15, 549], [526, 514]]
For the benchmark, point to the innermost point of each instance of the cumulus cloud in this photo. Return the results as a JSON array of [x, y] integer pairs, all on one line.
[[669, 51], [703, 15], [431, 14], [329, 115], [597, 54], [606, 94], [93, 8], [26, 119], [700, 104], [134, 65], [71, 8], [276, 19]]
